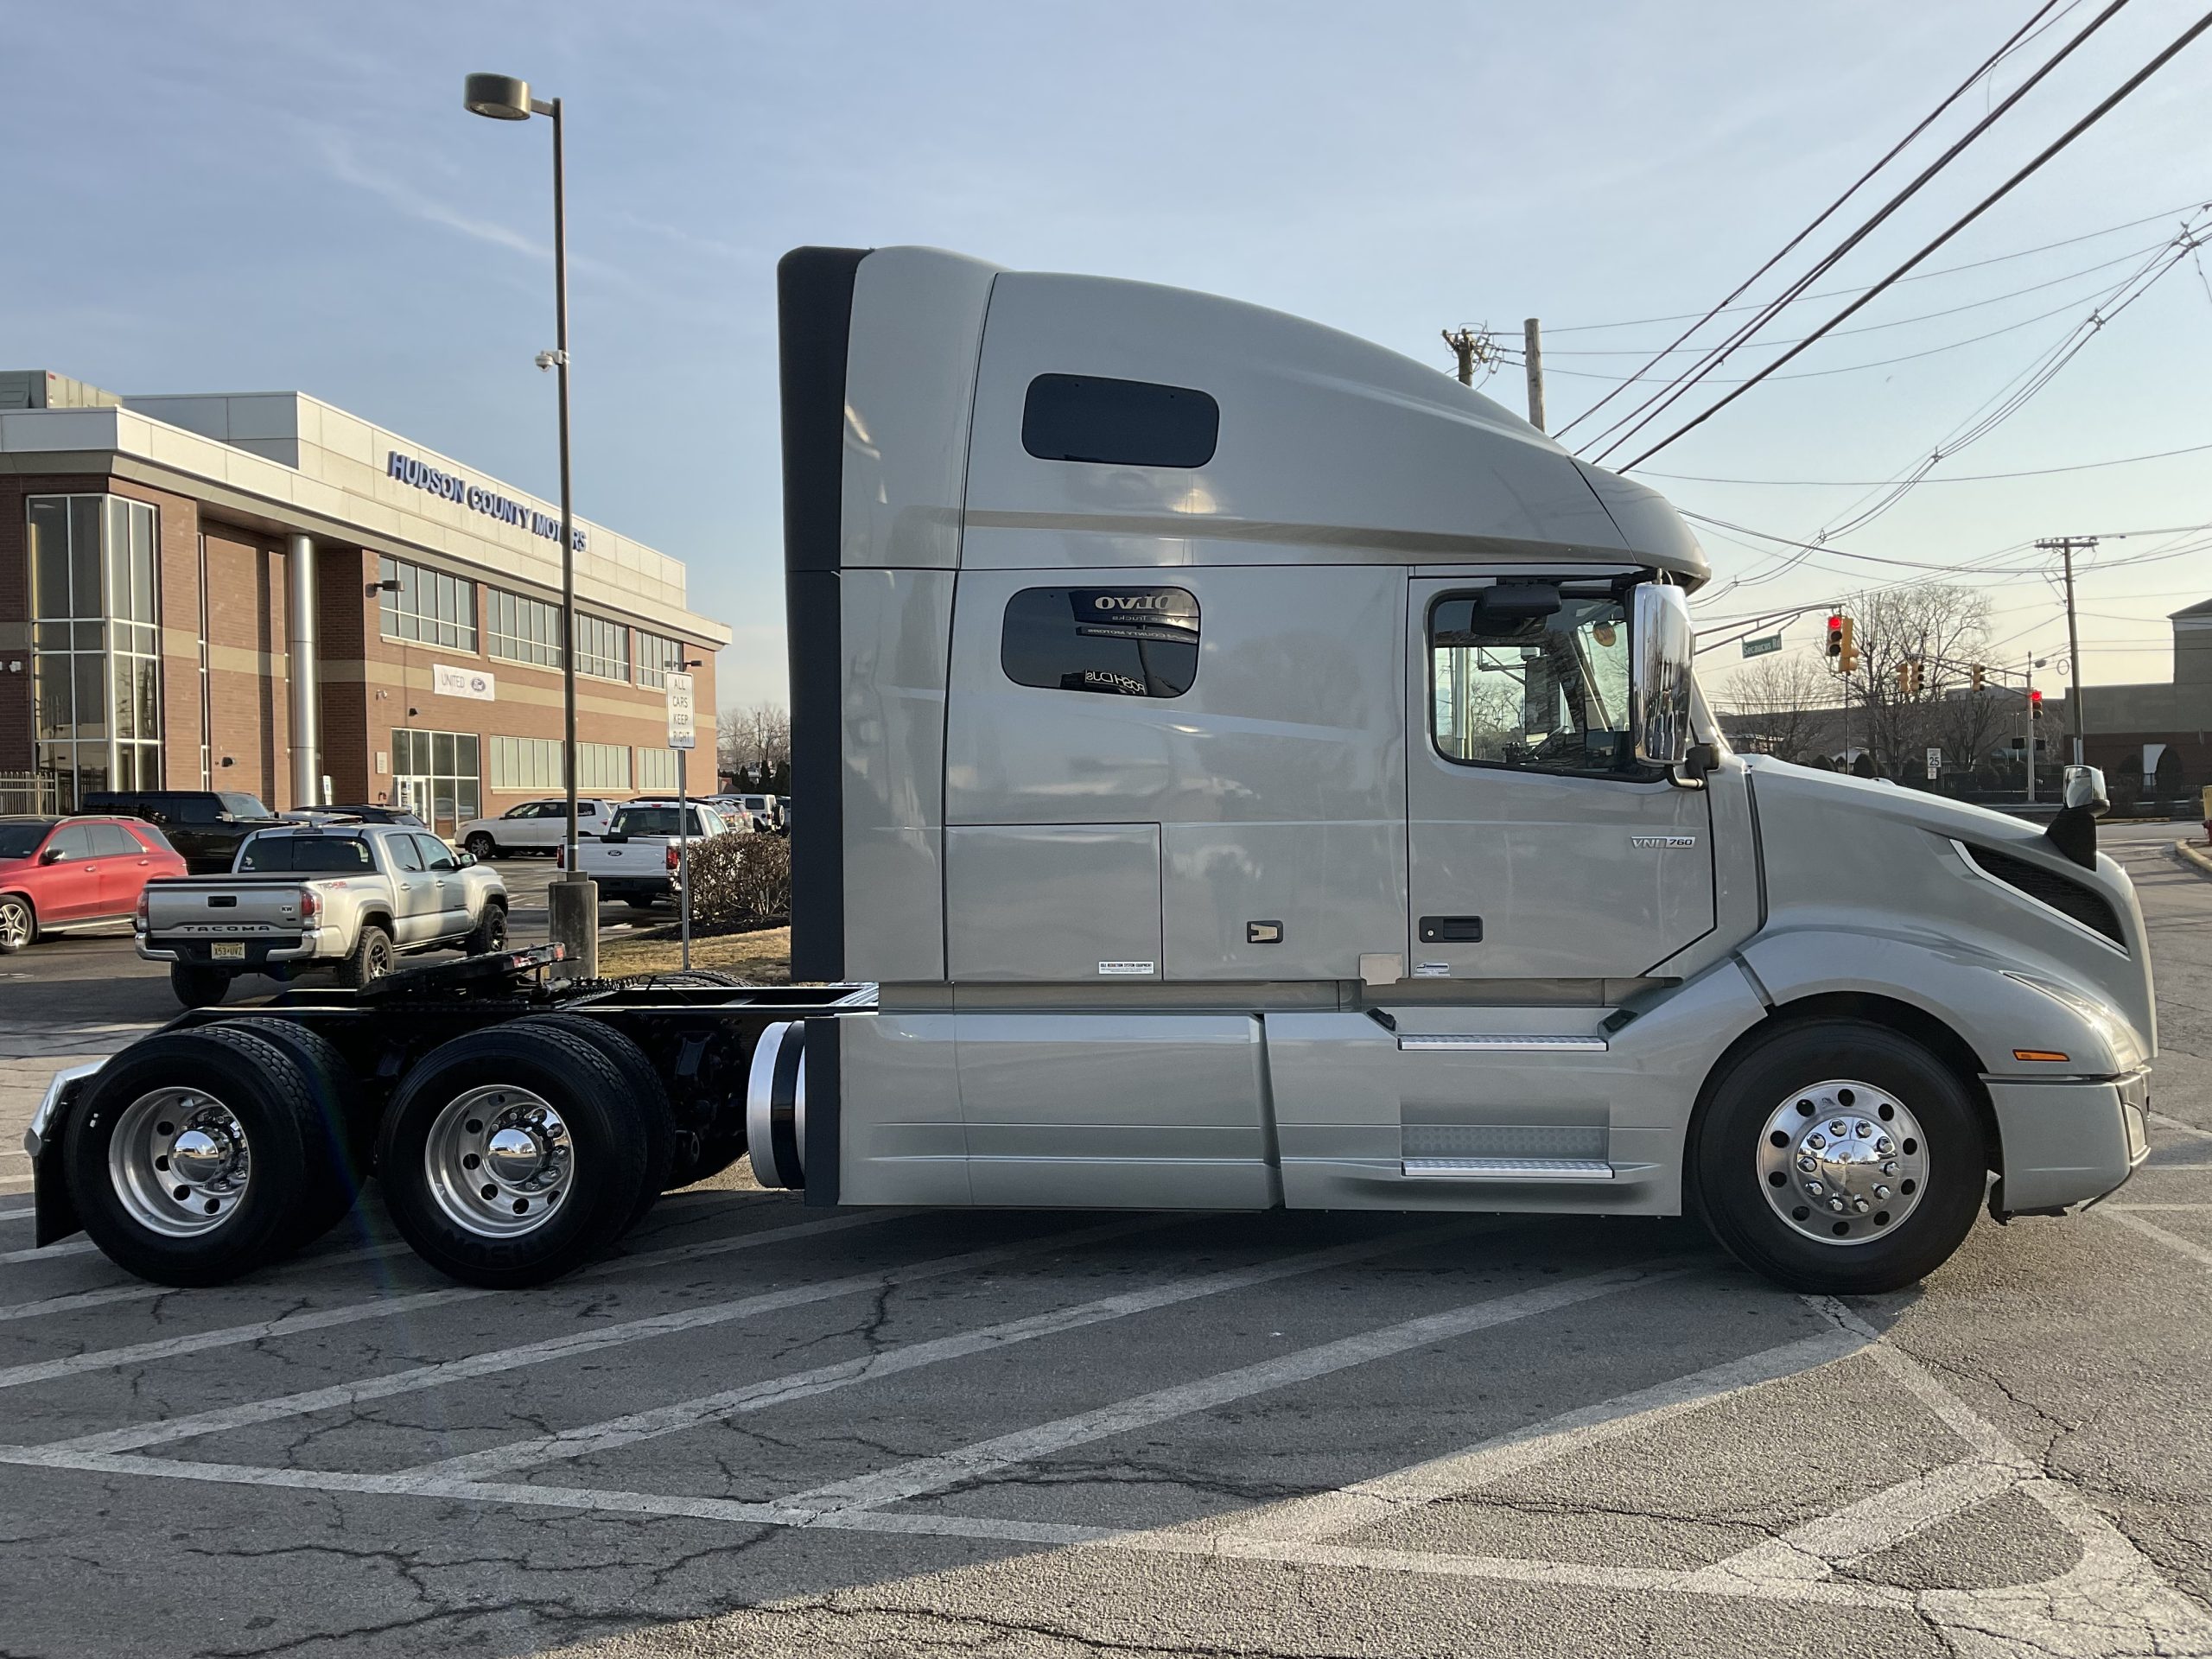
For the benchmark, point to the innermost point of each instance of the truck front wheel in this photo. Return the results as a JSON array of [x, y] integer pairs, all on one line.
[[197, 987], [506, 1157], [1838, 1158], [188, 1160]]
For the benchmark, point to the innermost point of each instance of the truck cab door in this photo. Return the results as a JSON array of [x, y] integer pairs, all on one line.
[[414, 890], [1538, 847]]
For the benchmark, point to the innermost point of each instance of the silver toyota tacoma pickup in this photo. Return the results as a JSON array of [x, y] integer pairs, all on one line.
[[350, 896]]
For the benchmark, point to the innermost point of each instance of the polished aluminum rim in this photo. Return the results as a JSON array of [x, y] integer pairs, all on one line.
[[499, 1161], [178, 1161], [1843, 1162], [14, 922], [379, 952]]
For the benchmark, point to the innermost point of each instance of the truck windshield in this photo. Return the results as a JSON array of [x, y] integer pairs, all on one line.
[[306, 855], [646, 821], [1542, 693], [243, 806]]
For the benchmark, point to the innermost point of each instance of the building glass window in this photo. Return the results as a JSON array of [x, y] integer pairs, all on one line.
[[603, 648], [524, 630], [429, 608], [96, 665], [603, 768], [656, 655], [531, 765], [435, 775], [657, 771]]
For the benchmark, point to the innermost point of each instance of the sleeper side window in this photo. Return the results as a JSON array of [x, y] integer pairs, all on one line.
[[1119, 423], [1125, 642], [1523, 676]]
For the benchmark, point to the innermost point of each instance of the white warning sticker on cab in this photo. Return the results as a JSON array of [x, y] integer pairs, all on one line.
[[1130, 969]]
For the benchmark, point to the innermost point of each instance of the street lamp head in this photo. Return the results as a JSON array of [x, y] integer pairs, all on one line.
[[501, 97]]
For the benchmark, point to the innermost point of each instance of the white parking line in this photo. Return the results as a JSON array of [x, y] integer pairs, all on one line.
[[2165, 1121], [443, 1371], [384, 1307], [1351, 1509], [684, 1415], [1879, 1521], [2157, 1234], [48, 1253], [19, 1215], [922, 1475]]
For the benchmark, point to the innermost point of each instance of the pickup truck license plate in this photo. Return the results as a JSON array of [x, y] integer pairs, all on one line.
[[227, 951]]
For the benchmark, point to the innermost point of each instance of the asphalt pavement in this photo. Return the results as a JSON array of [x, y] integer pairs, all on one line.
[[763, 1430]]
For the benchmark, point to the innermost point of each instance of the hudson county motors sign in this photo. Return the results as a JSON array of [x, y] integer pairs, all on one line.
[[477, 499]]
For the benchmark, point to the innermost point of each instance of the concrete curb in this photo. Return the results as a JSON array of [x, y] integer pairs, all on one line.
[[2194, 855]]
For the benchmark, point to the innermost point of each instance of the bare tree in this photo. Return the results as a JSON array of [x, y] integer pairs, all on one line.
[[1785, 706], [1942, 630], [756, 742]]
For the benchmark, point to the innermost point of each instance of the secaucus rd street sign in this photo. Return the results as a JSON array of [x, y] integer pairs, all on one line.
[[1762, 645]]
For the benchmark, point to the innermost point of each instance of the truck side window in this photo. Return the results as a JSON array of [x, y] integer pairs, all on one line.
[[1537, 693], [1118, 422], [1129, 642]]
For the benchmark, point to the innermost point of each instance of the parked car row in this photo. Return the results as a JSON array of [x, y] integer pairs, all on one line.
[[89, 868]]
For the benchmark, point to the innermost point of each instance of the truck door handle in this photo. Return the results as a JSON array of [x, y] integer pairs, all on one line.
[[1450, 930]]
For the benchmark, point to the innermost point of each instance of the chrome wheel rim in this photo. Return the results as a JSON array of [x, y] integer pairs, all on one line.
[[15, 923], [180, 1162], [379, 959], [1843, 1162], [499, 1161]]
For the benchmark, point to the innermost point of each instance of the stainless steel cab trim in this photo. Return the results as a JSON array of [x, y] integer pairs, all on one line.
[[1509, 1043], [1509, 1169]]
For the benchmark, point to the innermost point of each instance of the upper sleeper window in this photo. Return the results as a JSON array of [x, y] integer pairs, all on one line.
[[1129, 642], [1120, 422]]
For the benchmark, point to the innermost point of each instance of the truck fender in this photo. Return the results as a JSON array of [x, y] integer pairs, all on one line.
[[1995, 1011]]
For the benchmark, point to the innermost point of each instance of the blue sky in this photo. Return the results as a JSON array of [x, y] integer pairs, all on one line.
[[250, 196]]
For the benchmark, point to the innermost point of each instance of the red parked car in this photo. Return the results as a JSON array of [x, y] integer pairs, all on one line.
[[63, 872]]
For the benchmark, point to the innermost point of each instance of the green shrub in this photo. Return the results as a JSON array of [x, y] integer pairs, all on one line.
[[741, 881]]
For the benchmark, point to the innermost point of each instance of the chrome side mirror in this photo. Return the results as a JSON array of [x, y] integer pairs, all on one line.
[[2084, 788], [1659, 684]]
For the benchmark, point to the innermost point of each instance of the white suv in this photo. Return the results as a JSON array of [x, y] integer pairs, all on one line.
[[533, 827]]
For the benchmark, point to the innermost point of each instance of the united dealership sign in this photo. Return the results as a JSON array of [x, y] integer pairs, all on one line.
[[453, 488]]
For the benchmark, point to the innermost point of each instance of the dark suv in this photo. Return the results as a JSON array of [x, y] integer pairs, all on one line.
[[205, 825]]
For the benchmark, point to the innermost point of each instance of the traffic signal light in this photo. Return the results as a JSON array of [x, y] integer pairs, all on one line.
[[1908, 678], [1976, 671], [1847, 653], [1835, 637], [2035, 705]]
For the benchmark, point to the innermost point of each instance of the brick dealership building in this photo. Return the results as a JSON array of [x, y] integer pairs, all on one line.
[[259, 592]]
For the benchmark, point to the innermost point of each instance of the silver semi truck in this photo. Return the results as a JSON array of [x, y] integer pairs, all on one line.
[[1244, 769]]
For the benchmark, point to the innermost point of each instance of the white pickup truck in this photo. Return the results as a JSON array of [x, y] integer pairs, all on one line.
[[636, 859], [350, 896]]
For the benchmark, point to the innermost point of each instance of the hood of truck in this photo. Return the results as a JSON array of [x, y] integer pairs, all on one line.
[[1847, 856]]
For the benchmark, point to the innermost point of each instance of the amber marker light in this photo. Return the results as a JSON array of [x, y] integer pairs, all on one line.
[[2050, 1055]]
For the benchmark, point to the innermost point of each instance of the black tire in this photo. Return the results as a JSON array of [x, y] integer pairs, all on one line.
[[606, 1170], [490, 933], [197, 987], [264, 1093], [374, 956], [643, 1092], [640, 900], [1727, 1146], [18, 923], [344, 1128], [481, 845]]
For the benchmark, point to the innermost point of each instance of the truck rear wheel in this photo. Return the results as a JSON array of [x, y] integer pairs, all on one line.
[[197, 987], [339, 1147], [1840, 1158], [187, 1159], [643, 1092], [372, 959], [508, 1157]]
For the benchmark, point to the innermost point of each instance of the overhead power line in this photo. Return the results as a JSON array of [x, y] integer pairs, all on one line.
[[2192, 205], [1835, 207], [1653, 407], [2110, 102], [1953, 478]]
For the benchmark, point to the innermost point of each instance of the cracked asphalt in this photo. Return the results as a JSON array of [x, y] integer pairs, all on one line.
[[763, 1430]]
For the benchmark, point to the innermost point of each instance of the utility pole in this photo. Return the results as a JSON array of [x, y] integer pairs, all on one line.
[[2064, 546], [2028, 718], [1532, 354], [1470, 346]]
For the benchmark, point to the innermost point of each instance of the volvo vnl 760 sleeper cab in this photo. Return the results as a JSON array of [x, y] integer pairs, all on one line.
[[1245, 768]]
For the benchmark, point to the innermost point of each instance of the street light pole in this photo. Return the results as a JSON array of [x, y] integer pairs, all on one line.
[[572, 902]]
